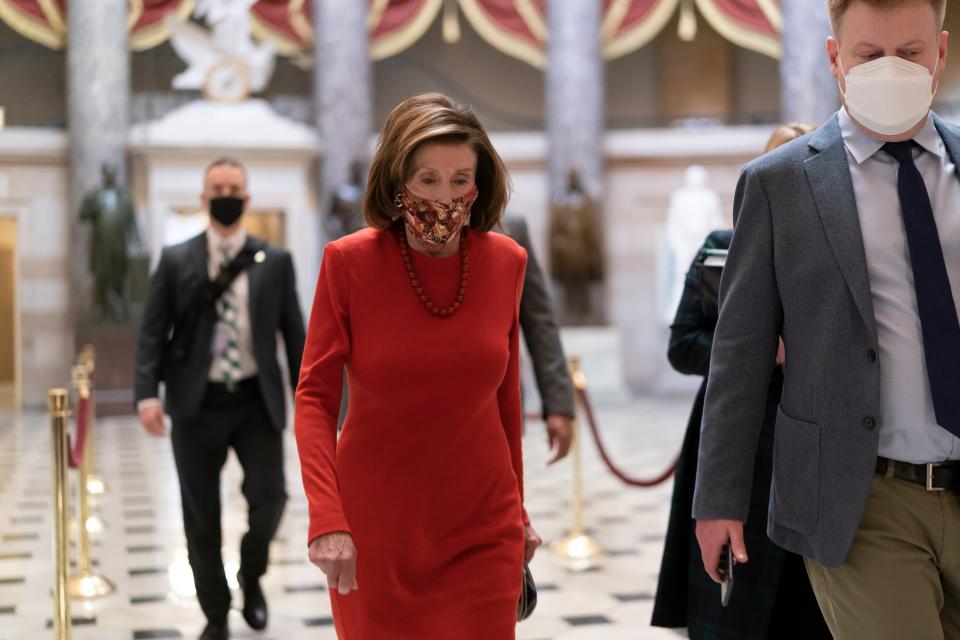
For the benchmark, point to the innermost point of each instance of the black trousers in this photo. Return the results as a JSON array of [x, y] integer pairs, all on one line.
[[237, 420]]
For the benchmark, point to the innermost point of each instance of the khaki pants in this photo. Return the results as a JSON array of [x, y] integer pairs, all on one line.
[[901, 579]]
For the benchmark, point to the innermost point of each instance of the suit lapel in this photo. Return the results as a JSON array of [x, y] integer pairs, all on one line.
[[951, 140], [199, 258], [829, 177], [255, 281]]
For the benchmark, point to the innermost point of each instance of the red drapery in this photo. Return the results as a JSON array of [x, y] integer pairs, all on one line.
[[287, 23], [516, 27], [397, 24], [753, 24], [45, 21], [630, 24], [147, 28]]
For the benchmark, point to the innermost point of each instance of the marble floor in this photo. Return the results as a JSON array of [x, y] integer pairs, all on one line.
[[142, 547]]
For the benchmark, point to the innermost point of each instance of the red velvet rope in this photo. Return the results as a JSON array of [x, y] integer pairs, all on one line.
[[75, 451], [634, 482]]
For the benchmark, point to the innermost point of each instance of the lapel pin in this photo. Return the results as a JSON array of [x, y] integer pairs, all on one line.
[[260, 256]]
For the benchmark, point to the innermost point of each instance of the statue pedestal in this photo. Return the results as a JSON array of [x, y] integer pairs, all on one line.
[[115, 346]]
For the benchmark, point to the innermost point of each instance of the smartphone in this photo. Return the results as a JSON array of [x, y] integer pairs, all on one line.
[[726, 573]]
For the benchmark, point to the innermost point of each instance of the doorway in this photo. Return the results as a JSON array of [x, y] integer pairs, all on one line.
[[9, 383]]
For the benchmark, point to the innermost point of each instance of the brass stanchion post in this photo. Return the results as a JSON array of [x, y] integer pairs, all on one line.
[[578, 549], [95, 486], [86, 583], [58, 410]]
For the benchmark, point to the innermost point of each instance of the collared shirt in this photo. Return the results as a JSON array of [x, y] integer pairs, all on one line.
[[908, 424], [240, 289]]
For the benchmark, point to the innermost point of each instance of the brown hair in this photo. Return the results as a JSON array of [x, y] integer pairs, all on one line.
[[836, 8], [225, 161], [785, 133], [425, 118]]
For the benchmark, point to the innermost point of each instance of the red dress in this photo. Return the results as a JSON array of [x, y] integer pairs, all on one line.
[[427, 474]]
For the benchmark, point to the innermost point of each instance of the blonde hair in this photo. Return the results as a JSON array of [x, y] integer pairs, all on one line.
[[836, 8], [785, 133], [420, 120]]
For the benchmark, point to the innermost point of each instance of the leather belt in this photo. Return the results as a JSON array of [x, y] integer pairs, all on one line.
[[933, 476], [247, 385]]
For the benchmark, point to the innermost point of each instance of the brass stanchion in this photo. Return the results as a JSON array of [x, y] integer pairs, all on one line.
[[95, 486], [58, 410], [86, 583], [578, 549]]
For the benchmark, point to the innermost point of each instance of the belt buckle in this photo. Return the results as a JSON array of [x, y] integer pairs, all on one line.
[[930, 467], [232, 388]]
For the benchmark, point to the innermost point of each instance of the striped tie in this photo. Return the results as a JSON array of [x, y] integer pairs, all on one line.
[[228, 332]]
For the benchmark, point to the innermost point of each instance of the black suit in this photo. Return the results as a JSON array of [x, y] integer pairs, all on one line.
[[209, 418], [173, 288]]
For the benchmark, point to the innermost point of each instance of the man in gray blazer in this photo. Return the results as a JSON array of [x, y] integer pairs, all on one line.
[[847, 244], [224, 388], [542, 335]]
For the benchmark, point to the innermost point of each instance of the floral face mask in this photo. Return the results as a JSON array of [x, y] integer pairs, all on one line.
[[434, 224]]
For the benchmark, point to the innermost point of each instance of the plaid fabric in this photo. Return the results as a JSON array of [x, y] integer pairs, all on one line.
[[227, 330], [686, 596]]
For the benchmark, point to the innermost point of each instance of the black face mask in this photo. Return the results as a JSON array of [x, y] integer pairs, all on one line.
[[226, 210]]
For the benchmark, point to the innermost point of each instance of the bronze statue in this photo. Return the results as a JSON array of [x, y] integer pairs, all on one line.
[[109, 209], [576, 246], [346, 214]]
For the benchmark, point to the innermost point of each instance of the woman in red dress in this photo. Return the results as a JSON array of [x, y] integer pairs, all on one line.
[[416, 513]]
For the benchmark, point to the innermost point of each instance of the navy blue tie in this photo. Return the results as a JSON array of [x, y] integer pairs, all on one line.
[[938, 313]]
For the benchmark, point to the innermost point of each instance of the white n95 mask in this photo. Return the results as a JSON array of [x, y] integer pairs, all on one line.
[[889, 95]]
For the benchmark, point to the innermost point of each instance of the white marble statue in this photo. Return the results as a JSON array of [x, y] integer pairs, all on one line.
[[694, 212], [225, 62]]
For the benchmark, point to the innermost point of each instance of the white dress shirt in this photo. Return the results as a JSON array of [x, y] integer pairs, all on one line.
[[240, 289], [908, 425]]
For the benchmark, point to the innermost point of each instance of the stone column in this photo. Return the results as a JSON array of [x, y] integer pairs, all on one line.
[[575, 92], [575, 125], [342, 96], [98, 97], [808, 93]]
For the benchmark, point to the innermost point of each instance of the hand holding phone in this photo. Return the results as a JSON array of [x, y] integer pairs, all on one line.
[[726, 572]]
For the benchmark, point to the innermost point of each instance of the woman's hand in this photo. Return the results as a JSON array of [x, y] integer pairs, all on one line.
[[559, 436], [532, 540], [336, 556]]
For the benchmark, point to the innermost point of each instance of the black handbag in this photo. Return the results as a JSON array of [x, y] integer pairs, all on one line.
[[528, 595]]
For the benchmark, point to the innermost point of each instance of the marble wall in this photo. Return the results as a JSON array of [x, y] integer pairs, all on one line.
[[34, 189], [643, 168]]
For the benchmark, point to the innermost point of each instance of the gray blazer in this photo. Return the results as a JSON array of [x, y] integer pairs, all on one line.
[[540, 331], [797, 269]]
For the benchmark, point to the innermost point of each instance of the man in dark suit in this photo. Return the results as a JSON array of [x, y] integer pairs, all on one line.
[[847, 244], [542, 336], [224, 388]]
